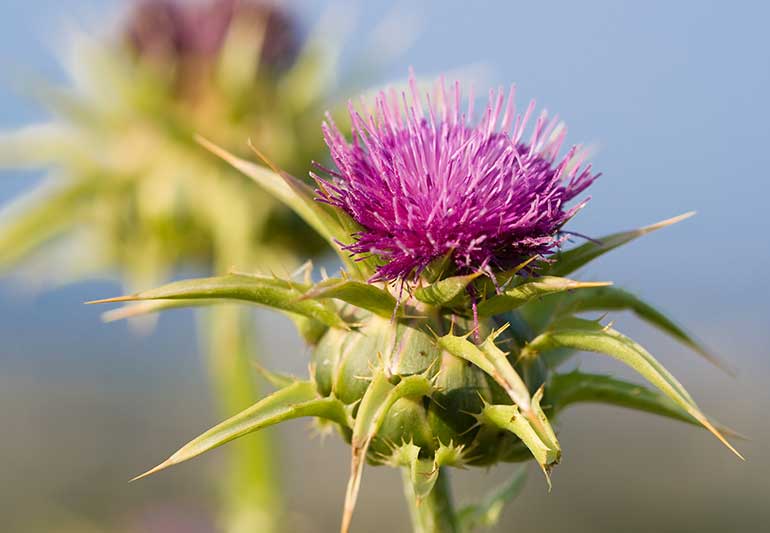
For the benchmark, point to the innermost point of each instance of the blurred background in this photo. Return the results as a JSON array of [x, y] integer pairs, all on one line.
[[674, 95]]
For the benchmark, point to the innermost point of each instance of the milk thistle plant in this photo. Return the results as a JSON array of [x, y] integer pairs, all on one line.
[[131, 195], [439, 343]]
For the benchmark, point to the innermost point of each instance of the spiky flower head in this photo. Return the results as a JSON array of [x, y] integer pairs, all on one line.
[[427, 181]]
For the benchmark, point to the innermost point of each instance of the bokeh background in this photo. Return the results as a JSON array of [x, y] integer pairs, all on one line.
[[674, 94]]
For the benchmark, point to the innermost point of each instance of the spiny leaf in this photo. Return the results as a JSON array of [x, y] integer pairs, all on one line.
[[487, 512], [331, 223], [578, 387], [424, 474], [493, 361], [297, 400], [451, 455], [445, 291], [542, 425], [507, 417], [274, 184], [569, 261], [530, 290], [262, 290], [615, 299], [377, 401], [590, 336], [310, 329], [150, 307], [360, 294]]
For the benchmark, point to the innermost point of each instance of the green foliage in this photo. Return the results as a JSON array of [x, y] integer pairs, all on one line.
[[578, 387], [299, 399], [615, 299], [363, 295], [267, 291], [424, 386], [591, 336], [447, 291], [529, 290]]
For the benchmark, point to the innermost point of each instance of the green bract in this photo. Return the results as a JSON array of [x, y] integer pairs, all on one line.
[[410, 379]]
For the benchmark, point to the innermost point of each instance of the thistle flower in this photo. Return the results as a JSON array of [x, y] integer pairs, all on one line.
[[426, 185], [404, 382]]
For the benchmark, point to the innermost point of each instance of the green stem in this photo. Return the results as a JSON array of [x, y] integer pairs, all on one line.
[[250, 489], [435, 513]]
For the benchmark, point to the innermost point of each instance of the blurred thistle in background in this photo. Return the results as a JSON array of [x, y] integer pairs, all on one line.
[[130, 194]]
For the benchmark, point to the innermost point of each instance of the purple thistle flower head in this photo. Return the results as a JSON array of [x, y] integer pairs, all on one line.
[[425, 181]]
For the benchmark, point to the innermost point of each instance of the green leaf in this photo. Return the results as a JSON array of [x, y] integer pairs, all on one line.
[[375, 405], [360, 294], [297, 400], [529, 290], [569, 261], [445, 291], [507, 417], [310, 329], [589, 336], [487, 512], [262, 290], [577, 387], [274, 184], [615, 299], [135, 310], [423, 473], [541, 424], [331, 223], [494, 362], [377, 401]]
